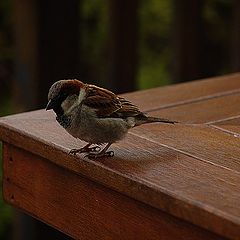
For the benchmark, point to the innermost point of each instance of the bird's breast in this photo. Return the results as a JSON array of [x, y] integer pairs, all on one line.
[[85, 125]]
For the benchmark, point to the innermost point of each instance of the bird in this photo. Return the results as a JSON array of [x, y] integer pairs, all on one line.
[[95, 115]]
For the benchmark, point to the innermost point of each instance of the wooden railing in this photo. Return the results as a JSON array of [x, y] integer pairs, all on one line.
[[164, 182]]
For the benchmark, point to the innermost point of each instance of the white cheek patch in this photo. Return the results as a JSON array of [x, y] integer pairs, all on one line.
[[82, 95], [69, 104], [65, 106]]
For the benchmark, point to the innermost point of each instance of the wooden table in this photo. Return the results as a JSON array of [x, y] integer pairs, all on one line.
[[165, 181]]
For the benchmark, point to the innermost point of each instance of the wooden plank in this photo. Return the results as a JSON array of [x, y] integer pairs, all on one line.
[[206, 111], [178, 94], [232, 125], [202, 142], [167, 167], [161, 177], [82, 208]]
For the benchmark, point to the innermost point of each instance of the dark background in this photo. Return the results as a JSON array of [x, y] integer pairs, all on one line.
[[123, 45]]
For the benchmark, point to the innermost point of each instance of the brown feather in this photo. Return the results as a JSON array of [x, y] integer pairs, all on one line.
[[128, 109], [104, 101], [72, 86], [108, 104]]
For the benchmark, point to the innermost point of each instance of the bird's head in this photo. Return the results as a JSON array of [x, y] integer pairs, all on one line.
[[63, 94]]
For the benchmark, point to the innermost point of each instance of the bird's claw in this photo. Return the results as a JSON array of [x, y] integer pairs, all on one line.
[[100, 155], [95, 149], [110, 153], [74, 151], [84, 150]]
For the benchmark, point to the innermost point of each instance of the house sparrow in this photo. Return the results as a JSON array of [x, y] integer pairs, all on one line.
[[94, 114]]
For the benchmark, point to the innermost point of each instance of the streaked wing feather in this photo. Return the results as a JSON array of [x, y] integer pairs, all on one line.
[[128, 109], [104, 101], [108, 104]]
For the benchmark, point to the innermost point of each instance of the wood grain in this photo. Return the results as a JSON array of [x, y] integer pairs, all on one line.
[[206, 111], [180, 94], [83, 209], [158, 176], [231, 126], [184, 171], [202, 142]]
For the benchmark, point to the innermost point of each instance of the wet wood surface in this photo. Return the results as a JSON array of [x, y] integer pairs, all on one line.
[[164, 182]]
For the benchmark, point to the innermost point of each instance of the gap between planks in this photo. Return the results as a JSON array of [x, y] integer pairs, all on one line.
[[225, 131], [195, 100], [223, 119], [212, 125], [184, 152]]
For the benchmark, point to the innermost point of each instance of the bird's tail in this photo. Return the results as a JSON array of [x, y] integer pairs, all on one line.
[[142, 119]]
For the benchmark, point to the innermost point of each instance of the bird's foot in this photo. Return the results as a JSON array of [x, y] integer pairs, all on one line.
[[89, 150], [92, 155]]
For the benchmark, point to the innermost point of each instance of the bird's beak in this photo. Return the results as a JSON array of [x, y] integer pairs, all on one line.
[[50, 104]]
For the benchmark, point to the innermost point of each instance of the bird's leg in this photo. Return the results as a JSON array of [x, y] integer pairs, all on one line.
[[84, 149], [103, 153]]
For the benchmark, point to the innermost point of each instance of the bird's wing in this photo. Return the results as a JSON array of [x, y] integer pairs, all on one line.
[[127, 110], [108, 104], [104, 101]]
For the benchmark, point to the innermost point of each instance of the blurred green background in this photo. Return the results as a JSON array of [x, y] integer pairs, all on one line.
[[122, 45]]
